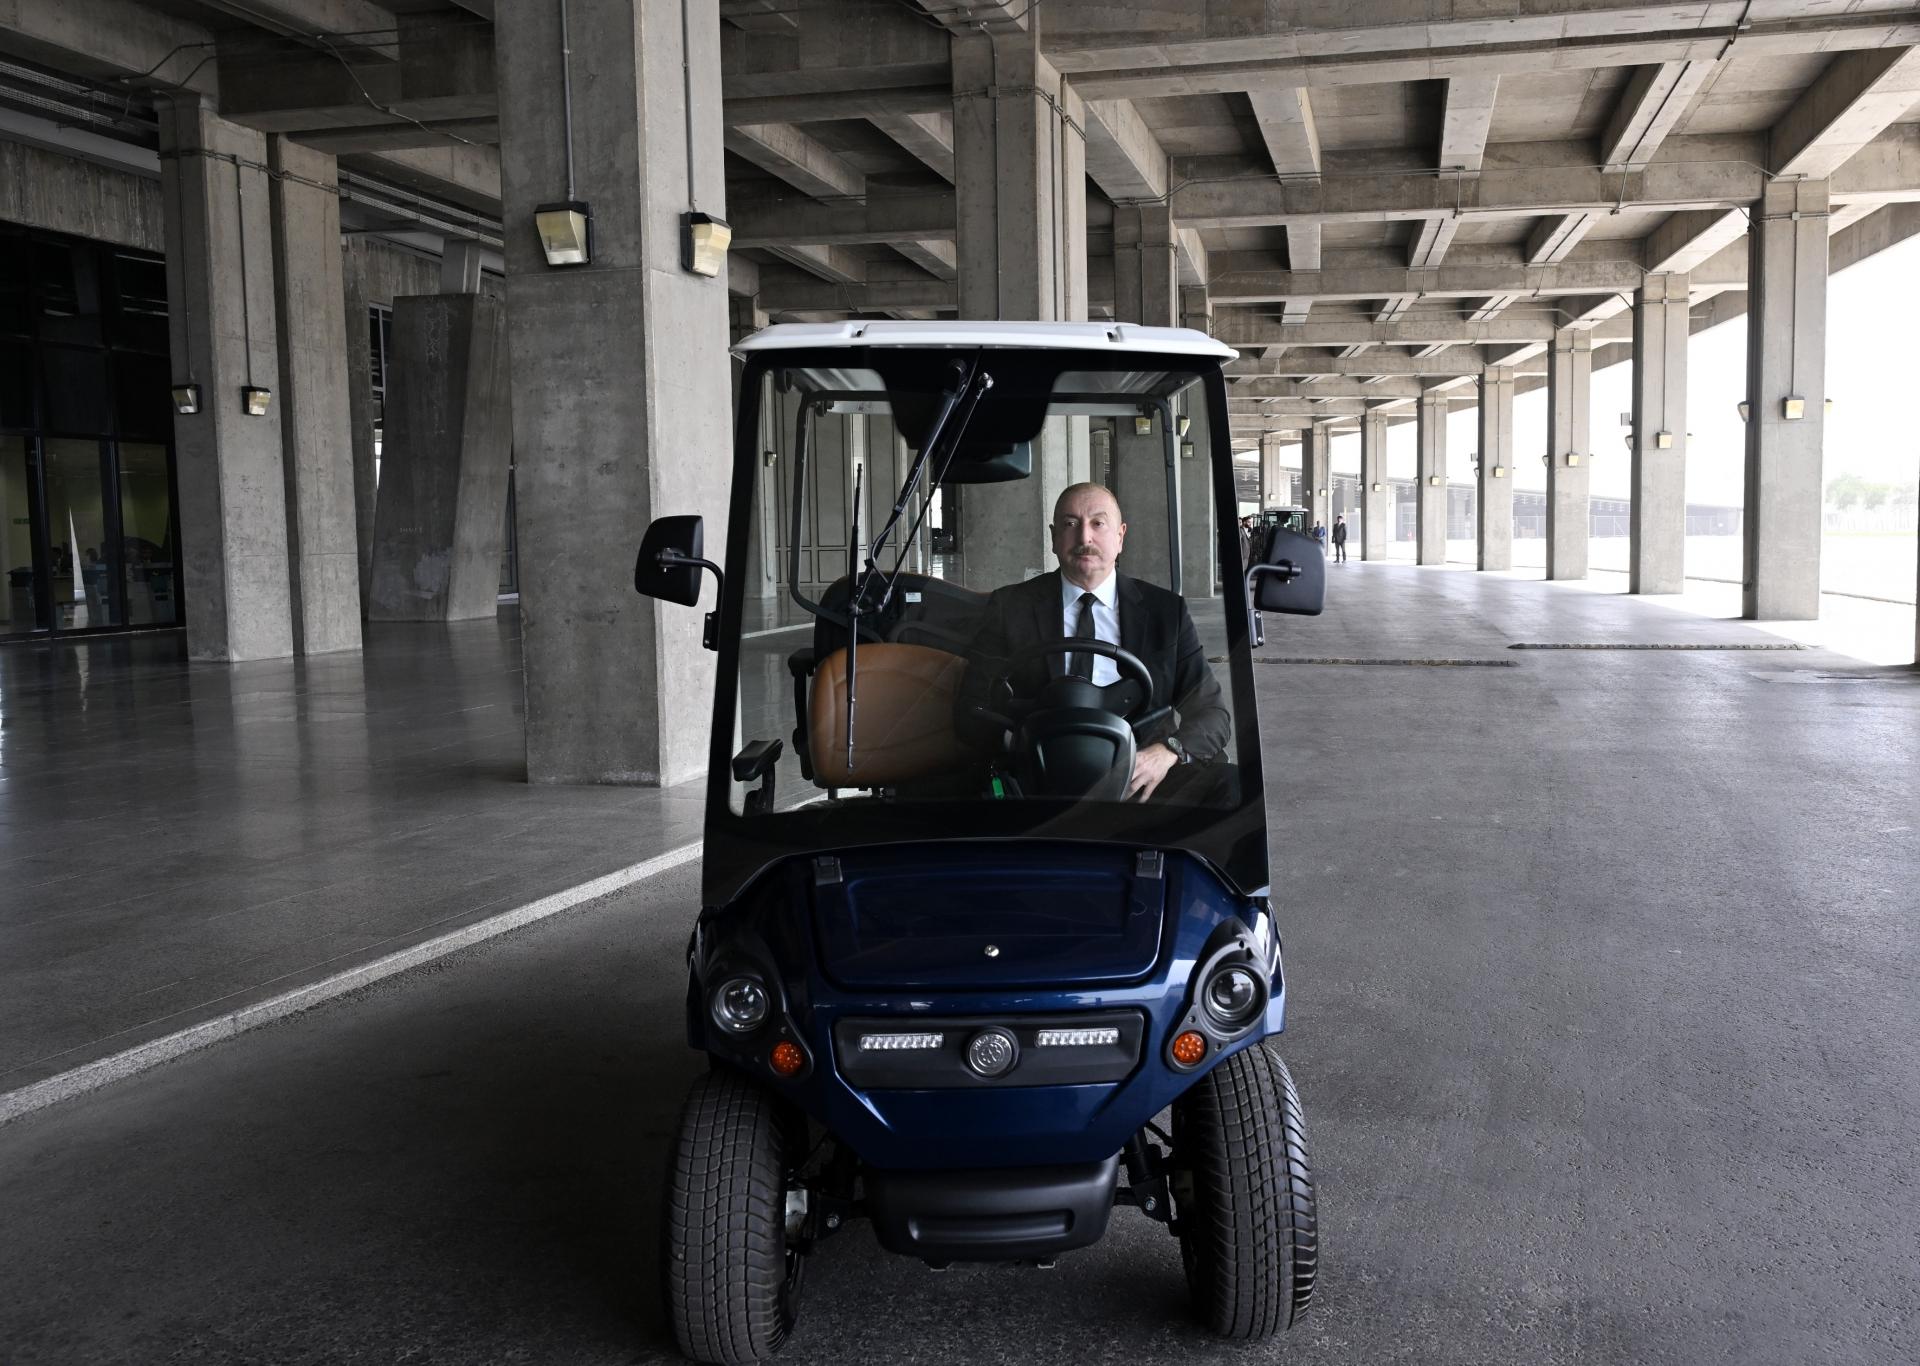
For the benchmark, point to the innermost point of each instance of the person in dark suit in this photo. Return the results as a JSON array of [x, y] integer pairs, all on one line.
[[1087, 596]]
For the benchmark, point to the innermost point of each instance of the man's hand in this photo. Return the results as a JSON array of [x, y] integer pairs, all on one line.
[[1150, 765]]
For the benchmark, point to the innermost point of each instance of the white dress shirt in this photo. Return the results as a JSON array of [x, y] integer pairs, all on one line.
[[1106, 623]]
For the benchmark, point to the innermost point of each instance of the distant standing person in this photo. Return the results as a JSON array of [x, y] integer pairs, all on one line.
[[1320, 536], [1246, 542], [1339, 538]]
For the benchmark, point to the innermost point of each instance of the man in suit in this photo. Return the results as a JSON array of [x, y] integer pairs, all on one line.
[[1087, 596]]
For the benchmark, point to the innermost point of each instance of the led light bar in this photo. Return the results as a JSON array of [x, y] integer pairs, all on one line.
[[895, 1043], [1075, 1038]]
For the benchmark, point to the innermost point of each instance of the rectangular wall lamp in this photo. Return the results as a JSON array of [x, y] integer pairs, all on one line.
[[1143, 426], [1573, 457], [704, 240], [1186, 450], [186, 398], [566, 232], [1376, 488], [1793, 409], [256, 400], [1434, 480], [1499, 471], [1664, 440]]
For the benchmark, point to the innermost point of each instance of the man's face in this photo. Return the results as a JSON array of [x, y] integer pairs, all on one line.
[[1087, 536]]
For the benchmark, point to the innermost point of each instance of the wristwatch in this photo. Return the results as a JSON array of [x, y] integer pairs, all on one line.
[[1181, 753]]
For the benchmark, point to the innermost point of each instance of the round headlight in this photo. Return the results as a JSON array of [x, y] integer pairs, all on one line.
[[1232, 997], [740, 1005]]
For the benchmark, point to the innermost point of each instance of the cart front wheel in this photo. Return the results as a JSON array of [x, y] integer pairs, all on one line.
[[732, 1281], [1244, 1195]]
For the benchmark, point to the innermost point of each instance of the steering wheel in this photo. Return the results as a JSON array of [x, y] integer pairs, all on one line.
[[1132, 670]]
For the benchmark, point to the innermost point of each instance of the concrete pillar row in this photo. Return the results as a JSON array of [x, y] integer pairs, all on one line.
[[1657, 522], [1196, 309], [1786, 362], [1376, 494], [232, 482], [315, 416], [1430, 544], [1273, 480], [1317, 468], [637, 425], [1569, 418], [1493, 521], [1146, 268], [1020, 167]]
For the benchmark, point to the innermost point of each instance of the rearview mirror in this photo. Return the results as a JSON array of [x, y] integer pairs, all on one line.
[[1293, 577], [670, 560]]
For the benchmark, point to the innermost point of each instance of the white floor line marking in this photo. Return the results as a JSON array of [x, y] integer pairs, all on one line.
[[133, 1061]]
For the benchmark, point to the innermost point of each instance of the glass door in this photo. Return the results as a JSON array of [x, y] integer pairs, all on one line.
[[147, 535], [23, 599]]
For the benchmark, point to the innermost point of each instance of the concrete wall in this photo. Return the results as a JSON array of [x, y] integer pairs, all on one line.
[[42, 189]]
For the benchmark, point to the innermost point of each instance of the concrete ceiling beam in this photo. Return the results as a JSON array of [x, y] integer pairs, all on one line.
[[1467, 118], [395, 137], [114, 40], [835, 265], [1687, 240], [1657, 97], [761, 16], [788, 293], [1114, 51], [938, 259], [796, 157], [1288, 128], [1192, 257], [1244, 328], [886, 219], [1345, 386], [1554, 237], [1124, 158], [461, 174], [1852, 103], [856, 99], [929, 137], [1444, 282]]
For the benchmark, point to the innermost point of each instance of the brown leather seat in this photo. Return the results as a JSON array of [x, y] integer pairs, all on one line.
[[903, 726]]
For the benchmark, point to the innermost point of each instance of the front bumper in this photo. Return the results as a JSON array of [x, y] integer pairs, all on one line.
[[1001, 1214]]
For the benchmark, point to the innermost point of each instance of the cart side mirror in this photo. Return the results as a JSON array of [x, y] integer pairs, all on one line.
[[670, 560], [1292, 578]]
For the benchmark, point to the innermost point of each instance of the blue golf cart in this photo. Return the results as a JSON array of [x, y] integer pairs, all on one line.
[[986, 949]]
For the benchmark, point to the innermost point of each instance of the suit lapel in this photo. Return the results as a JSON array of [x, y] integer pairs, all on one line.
[[1133, 616], [1047, 619]]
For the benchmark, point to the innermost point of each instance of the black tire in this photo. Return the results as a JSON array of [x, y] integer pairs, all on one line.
[[1244, 1197], [732, 1285]]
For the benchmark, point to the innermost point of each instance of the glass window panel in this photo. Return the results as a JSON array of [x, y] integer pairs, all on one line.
[[143, 400], [14, 315], [140, 315], [76, 383], [19, 604], [16, 384], [67, 276], [146, 534], [81, 575]]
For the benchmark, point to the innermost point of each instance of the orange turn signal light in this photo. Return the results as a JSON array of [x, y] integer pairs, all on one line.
[[1189, 1048], [786, 1059]]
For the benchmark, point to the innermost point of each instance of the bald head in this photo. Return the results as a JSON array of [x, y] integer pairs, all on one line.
[[1087, 533]]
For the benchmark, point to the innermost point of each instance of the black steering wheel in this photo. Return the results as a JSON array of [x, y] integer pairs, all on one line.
[[1071, 738], [1123, 701]]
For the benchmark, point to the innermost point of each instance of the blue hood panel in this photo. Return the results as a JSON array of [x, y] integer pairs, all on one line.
[[926, 920]]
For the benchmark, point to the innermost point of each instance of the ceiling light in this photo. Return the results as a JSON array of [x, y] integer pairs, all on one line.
[[566, 232], [256, 400], [703, 242], [186, 398]]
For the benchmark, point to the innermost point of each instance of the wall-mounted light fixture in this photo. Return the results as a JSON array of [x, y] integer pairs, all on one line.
[[1376, 488], [1793, 408], [1499, 471], [256, 400], [186, 398], [1744, 408], [566, 232], [1664, 440], [1143, 425], [1626, 419], [703, 242], [1433, 480], [1186, 448], [768, 457], [1827, 407], [1183, 424], [1573, 457]]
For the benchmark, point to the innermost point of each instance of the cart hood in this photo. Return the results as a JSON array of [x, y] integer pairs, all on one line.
[[969, 918]]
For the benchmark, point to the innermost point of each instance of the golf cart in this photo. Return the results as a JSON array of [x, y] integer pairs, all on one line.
[[953, 967]]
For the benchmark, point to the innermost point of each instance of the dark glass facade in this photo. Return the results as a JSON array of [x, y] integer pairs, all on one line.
[[89, 527]]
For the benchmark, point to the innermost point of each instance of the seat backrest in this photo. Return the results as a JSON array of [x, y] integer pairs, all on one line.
[[903, 726]]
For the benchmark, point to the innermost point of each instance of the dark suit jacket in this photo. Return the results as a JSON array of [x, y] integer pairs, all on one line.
[[1154, 624]]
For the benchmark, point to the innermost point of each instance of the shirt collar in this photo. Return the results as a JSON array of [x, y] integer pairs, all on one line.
[[1104, 591]]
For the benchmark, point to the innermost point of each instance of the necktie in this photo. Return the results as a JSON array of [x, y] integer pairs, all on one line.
[[1083, 630]]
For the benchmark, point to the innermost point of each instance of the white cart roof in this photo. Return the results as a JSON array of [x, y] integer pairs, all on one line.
[[1112, 337]]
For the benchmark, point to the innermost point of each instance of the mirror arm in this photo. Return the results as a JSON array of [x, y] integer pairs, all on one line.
[[710, 628], [1286, 569]]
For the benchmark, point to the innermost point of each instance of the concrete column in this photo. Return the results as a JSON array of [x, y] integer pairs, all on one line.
[[220, 293], [1020, 165], [1141, 486], [1657, 523], [460, 261], [1430, 536], [1786, 358], [1316, 468], [1196, 309], [1376, 494], [1199, 526], [744, 318], [1569, 516], [1273, 479], [1494, 524], [609, 429], [1146, 273], [316, 436], [438, 527]]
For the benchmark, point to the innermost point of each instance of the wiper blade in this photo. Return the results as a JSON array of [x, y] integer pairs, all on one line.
[[976, 392]]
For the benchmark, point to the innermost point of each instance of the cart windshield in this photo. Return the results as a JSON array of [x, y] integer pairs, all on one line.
[[987, 593]]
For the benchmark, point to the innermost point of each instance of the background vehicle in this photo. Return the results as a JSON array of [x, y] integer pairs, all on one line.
[[946, 974]]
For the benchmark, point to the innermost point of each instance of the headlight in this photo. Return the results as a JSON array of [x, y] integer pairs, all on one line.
[[1233, 997], [740, 1005]]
